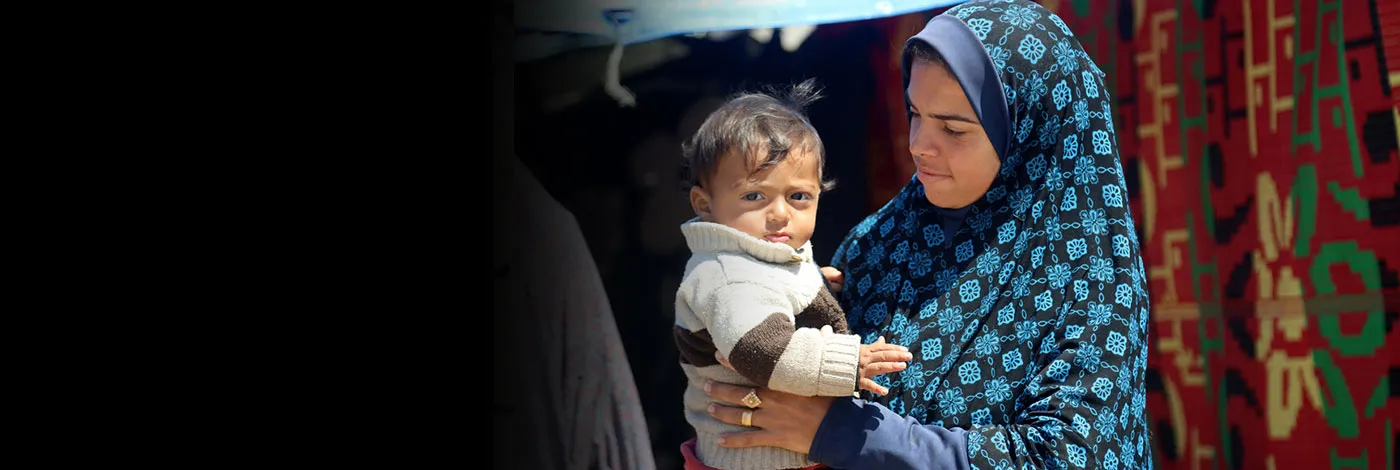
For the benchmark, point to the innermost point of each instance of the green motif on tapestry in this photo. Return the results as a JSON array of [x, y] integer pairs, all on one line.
[[1350, 200], [1341, 411]]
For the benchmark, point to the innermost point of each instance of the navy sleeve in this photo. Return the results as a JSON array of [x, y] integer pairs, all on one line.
[[858, 435]]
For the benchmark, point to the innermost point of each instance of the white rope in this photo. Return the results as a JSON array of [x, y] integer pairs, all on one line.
[[611, 84]]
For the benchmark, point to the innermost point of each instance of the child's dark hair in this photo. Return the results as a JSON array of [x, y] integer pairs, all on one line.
[[753, 123]]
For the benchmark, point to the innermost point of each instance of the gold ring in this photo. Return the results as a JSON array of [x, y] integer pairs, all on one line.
[[747, 418], [751, 400]]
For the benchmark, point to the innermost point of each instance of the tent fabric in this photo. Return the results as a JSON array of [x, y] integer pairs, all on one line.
[[634, 21]]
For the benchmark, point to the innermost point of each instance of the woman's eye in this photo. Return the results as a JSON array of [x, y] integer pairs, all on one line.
[[752, 197], [953, 132]]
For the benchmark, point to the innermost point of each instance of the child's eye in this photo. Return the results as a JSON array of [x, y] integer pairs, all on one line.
[[802, 196], [751, 196]]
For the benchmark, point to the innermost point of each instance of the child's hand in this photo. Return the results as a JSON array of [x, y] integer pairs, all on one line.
[[837, 280], [881, 358]]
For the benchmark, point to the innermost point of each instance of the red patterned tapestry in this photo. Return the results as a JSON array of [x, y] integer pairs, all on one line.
[[1259, 139]]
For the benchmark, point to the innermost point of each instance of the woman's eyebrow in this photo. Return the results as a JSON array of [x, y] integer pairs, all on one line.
[[956, 117], [947, 117]]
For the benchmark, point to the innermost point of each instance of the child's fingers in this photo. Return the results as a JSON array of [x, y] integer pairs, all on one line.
[[870, 386], [890, 355], [886, 347], [877, 368]]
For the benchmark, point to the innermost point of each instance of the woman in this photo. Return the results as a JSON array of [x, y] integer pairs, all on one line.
[[1008, 265]]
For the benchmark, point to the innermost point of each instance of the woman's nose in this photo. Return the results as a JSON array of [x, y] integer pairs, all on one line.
[[921, 148]]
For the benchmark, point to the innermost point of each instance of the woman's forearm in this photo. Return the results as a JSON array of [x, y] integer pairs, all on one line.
[[857, 435]]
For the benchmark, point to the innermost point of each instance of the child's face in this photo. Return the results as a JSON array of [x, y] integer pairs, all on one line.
[[778, 204]]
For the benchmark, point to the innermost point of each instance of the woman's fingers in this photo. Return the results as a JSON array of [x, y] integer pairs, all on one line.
[[733, 415], [724, 362], [833, 275], [784, 420], [756, 437], [728, 393]]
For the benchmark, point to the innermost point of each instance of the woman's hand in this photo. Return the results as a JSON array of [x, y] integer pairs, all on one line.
[[783, 419], [837, 280]]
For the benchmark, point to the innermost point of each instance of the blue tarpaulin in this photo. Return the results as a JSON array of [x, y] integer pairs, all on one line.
[[626, 22], [634, 21]]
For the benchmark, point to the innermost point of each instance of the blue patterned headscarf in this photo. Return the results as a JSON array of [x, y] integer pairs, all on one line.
[[1029, 322]]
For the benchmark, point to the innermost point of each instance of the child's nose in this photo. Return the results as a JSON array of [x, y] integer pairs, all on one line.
[[778, 213]]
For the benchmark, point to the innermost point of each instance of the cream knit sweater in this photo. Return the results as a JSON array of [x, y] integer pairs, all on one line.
[[763, 305]]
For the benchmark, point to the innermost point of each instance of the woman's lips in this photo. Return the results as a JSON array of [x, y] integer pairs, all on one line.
[[931, 177]]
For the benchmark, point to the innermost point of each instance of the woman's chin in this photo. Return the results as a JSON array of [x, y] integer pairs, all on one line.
[[932, 199], [943, 201]]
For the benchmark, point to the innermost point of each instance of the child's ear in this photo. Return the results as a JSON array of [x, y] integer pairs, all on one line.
[[700, 202]]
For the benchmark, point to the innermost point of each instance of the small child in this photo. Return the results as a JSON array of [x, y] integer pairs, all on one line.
[[751, 289]]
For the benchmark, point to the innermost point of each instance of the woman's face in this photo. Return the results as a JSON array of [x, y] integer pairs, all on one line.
[[953, 157]]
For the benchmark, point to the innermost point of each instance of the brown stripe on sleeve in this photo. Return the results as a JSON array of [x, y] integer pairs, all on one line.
[[696, 348], [758, 351], [824, 310]]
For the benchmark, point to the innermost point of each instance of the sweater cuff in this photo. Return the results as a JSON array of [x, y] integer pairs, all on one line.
[[840, 366]]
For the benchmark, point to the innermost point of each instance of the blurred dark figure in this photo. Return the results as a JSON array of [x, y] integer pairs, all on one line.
[[565, 397], [564, 393]]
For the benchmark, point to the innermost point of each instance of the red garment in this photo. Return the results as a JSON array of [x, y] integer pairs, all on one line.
[[693, 463]]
